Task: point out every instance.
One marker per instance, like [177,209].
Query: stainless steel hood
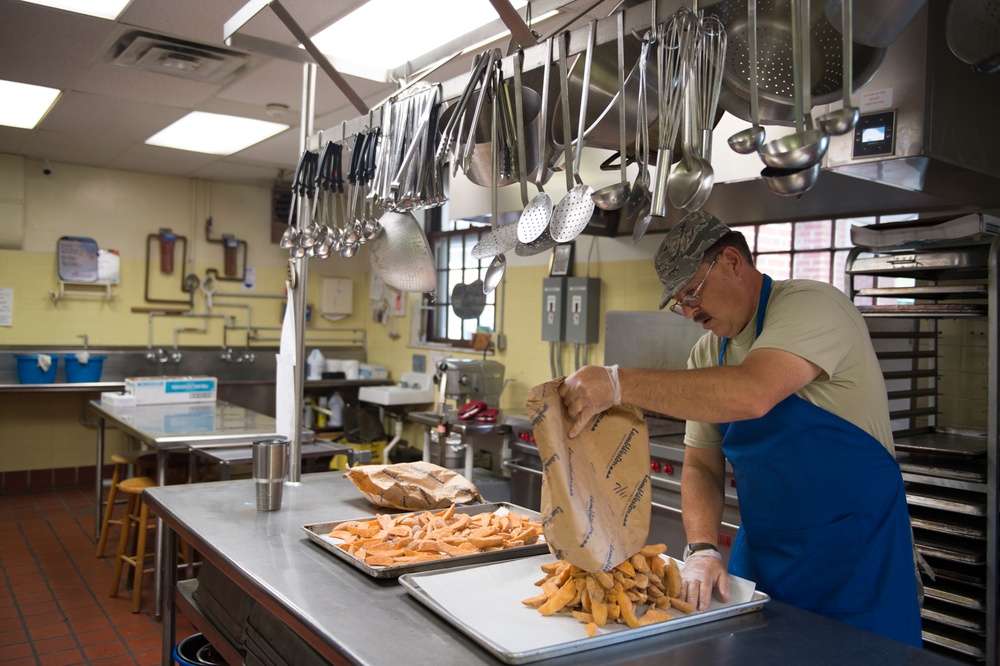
[943,153]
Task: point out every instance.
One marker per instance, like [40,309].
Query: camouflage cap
[683,249]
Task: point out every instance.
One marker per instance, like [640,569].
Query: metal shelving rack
[951,474]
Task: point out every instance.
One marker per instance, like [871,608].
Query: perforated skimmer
[574,210]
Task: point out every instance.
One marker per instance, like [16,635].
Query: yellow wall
[121,209]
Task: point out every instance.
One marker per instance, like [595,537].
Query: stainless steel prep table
[352,618]
[175,427]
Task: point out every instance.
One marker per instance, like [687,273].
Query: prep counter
[351,618]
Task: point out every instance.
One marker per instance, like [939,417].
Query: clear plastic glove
[589,391]
[703,571]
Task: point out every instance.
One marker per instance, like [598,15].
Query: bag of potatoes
[416,486]
[596,487]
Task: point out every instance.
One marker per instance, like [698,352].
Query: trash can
[195,650]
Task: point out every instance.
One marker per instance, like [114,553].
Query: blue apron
[825,524]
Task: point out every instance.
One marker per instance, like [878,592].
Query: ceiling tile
[142,86]
[86,149]
[124,120]
[48,47]
[154,159]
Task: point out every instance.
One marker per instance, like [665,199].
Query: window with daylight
[459,277]
[814,250]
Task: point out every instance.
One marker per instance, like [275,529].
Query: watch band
[696,546]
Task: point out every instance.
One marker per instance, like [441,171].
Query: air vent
[189,60]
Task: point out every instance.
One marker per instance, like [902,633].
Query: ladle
[640,199]
[614,196]
[494,274]
[843,120]
[807,146]
[812,144]
[535,217]
[692,173]
[751,139]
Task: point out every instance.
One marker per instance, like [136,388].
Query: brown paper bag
[416,486]
[596,487]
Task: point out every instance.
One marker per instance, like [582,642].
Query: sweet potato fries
[389,540]
[613,596]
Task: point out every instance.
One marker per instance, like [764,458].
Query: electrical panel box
[583,309]
[553,303]
[338,298]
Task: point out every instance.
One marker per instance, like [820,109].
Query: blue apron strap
[765,293]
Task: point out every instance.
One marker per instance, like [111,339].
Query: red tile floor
[54,603]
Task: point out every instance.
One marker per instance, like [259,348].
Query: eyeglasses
[692,298]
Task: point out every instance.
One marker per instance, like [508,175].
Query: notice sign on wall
[6,306]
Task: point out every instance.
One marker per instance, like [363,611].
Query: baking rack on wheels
[932,312]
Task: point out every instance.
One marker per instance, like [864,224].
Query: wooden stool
[144,463]
[137,516]
[121,462]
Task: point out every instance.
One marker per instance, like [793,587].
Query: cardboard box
[165,390]
[366,371]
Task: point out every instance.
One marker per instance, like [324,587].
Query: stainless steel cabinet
[932,313]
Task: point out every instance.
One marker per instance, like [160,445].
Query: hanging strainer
[401,255]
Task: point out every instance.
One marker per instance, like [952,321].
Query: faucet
[84,340]
[158,356]
[230,355]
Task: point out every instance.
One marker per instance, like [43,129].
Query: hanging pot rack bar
[637,20]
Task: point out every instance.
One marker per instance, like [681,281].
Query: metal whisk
[709,64]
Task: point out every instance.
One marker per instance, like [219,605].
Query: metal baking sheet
[956,593]
[959,469]
[484,602]
[318,534]
[943,444]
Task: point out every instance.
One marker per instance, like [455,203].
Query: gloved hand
[589,391]
[703,570]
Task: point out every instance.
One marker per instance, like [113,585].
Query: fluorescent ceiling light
[24,105]
[106,9]
[214,133]
[385,34]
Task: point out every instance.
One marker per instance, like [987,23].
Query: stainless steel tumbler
[269,469]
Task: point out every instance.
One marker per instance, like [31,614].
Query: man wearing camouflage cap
[787,388]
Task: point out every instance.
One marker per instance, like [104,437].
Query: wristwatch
[696,546]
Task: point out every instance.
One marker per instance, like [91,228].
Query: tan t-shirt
[817,322]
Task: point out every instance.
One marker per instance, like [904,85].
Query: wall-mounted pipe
[185,286]
[231,247]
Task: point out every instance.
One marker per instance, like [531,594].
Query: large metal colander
[774,59]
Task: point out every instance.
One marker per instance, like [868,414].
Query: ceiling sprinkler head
[276,110]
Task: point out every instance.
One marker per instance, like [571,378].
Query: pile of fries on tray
[394,540]
[597,599]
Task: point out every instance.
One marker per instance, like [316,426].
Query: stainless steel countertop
[192,424]
[375,621]
[63,387]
